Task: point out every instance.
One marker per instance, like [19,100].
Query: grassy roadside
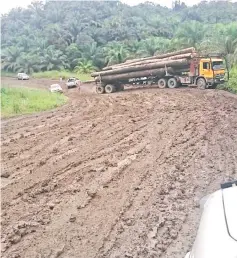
[54,75]
[7,74]
[18,101]
[61,74]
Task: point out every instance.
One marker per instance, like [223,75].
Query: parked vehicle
[72,83]
[23,76]
[55,88]
[217,233]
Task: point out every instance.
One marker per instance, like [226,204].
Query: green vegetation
[16,101]
[61,74]
[83,36]
[231,85]
[7,74]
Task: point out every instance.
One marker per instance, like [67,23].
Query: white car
[55,88]
[217,233]
[72,82]
[23,76]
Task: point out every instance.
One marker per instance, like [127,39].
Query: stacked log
[123,65]
[145,73]
[190,50]
[157,65]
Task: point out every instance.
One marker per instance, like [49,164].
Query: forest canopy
[86,36]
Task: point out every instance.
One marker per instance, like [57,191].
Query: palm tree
[53,59]
[115,54]
[39,46]
[231,51]
[84,66]
[55,12]
[230,45]
[133,48]
[94,53]
[159,26]
[75,27]
[24,42]
[29,63]
[36,7]
[10,58]
[154,45]
[73,54]
[231,30]
[176,43]
[57,36]
[191,33]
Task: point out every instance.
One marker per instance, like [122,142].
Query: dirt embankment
[115,175]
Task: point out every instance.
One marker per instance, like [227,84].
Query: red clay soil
[115,175]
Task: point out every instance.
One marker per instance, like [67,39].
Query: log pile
[158,65]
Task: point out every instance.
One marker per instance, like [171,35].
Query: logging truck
[184,67]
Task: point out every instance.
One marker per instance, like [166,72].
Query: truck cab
[212,70]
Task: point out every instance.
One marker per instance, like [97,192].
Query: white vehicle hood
[217,229]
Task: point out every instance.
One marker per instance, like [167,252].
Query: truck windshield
[218,65]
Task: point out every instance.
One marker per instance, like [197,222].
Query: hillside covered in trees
[86,36]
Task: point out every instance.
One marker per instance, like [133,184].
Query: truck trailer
[185,67]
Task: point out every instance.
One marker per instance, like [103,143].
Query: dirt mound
[115,175]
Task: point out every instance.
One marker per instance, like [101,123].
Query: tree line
[86,36]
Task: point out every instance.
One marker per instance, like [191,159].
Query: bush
[231,85]
[15,101]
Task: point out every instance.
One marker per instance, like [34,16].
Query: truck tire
[119,87]
[109,88]
[162,83]
[172,83]
[100,89]
[201,84]
[214,86]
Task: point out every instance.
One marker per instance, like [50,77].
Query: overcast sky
[6,5]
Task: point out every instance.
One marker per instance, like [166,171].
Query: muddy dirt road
[115,175]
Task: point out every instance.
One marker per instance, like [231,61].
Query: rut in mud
[115,175]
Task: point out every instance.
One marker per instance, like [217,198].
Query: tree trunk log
[124,65]
[171,63]
[180,52]
[137,74]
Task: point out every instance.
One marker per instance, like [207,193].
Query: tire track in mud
[34,186]
[162,244]
[155,187]
[115,176]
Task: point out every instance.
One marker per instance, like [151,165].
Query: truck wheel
[109,88]
[213,86]
[162,83]
[201,83]
[120,87]
[100,89]
[172,83]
